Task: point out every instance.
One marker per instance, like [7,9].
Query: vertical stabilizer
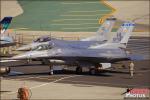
[5,23]
[103,31]
[120,39]
[123,33]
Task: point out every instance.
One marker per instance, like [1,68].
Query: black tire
[8,69]
[51,73]
[78,70]
[92,71]
[43,63]
[123,66]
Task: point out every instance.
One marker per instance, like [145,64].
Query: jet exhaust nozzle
[4,70]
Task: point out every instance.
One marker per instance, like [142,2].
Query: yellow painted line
[107,15]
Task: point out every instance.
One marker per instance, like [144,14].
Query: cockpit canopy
[43,47]
[43,39]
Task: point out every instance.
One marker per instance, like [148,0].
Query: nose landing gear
[78,70]
[51,72]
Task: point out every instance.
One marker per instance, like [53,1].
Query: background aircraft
[91,58]
[4,39]
[100,37]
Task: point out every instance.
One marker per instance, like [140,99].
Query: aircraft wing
[75,55]
[7,44]
[137,57]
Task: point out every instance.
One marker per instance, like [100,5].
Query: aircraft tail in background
[4,23]
[123,33]
[103,31]
[120,39]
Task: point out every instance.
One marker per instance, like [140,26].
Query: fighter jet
[122,32]
[4,39]
[100,37]
[81,57]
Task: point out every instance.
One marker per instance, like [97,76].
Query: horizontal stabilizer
[135,57]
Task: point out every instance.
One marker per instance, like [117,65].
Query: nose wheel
[78,70]
[51,71]
[92,71]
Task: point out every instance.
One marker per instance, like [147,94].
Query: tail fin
[120,39]
[102,32]
[123,33]
[106,27]
[5,23]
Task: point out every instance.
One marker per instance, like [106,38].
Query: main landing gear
[92,71]
[95,70]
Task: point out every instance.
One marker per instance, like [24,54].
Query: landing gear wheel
[51,73]
[51,70]
[78,70]
[92,71]
[44,62]
[123,66]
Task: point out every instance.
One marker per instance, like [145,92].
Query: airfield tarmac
[67,85]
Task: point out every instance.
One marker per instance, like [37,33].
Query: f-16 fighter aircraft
[81,57]
[100,37]
[4,39]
